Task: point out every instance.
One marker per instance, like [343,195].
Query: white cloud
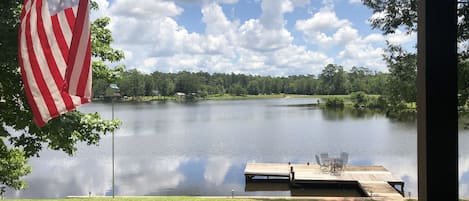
[216,170]
[324,20]
[326,30]
[216,21]
[154,38]
[345,34]
[399,37]
[332,34]
[102,11]
[207,1]
[299,60]
[272,13]
[362,54]
[300,3]
[257,37]
[267,33]
[145,9]
[354,1]
[374,38]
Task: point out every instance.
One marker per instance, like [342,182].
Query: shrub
[359,99]
[335,102]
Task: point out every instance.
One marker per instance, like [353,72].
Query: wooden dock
[374,181]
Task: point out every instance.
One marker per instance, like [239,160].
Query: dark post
[437,100]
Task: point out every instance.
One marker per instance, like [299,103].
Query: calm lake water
[202,148]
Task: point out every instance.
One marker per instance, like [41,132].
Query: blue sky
[259,37]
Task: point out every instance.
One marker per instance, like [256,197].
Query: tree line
[333,80]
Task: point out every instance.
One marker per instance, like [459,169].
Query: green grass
[266,96]
[170,198]
[157,198]
[231,97]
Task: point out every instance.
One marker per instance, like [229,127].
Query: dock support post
[292,174]
[402,189]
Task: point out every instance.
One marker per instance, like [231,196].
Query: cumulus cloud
[268,33]
[354,1]
[142,9]
[400,37]
[156,41]
[208,1]
[258,37]
[153,38]
[325,30]
[324,20]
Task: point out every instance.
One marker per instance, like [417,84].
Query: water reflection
[144,176]
[338,114]
[202,148]
[216,169]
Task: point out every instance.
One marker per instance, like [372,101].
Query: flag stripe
[52,58]
[25,9]
[65,28]
[83,78]
[79,42]
[36,72]
[70,18]
[47,50]
[46,45]
[80,70]
[23,54]
[44,69]
[59,37]
[31,100]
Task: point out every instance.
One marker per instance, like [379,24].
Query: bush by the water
[359,99]
[335,102]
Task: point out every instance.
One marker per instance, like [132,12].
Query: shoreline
[224,97]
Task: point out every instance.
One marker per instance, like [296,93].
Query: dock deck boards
[374,180]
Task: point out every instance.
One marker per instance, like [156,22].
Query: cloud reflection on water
[202,149]
[60,177]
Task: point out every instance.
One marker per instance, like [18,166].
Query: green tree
[335,102]
[359,99]
[99,87]
[402,82]
[253,87]
[164,84]
[238,90]
[358,78]
[20,138]
[463,84]
[132,83]
[187,82]
[333,80]
[395,14]
[377,83]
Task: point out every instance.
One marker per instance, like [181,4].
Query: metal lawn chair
[344,159]
[323,166]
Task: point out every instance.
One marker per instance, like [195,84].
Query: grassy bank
[191,198]
[267,96]
[162,198]
[231,97]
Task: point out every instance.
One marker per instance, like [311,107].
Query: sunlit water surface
[202,148]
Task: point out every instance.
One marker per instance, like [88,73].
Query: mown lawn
[158,198]
[179,198]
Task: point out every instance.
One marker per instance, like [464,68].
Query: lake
[202,148]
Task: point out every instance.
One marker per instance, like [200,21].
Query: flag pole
[113,93]
[112,101]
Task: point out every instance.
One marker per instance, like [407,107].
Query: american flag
[55,56]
